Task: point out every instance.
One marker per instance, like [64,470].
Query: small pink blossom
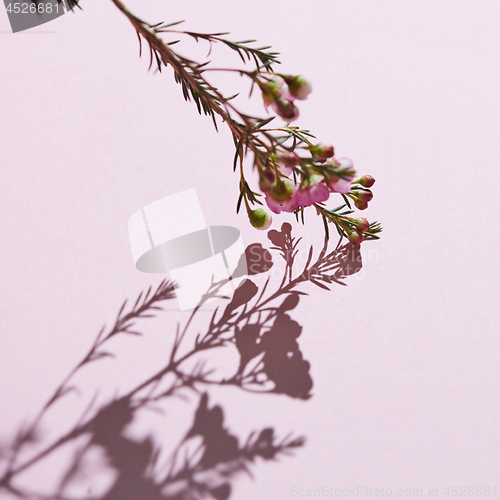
[289,205]
[315,191]
[319,193]
[273,205]
[342,185]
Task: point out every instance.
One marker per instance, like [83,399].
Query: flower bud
[361,205]
[367,181]
[365,195]
[298,86]
[362,224]
[264,184]
[282,190]
[339,174]
[271,90]
[259,218]
[266,180]
[355,237]
[286,109]
[289,159]
[322,152]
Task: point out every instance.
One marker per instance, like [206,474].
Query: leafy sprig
[252,136]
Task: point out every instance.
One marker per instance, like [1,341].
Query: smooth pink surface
[405,359]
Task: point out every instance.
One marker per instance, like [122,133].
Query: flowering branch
[294,171]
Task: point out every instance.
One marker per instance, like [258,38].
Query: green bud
[355,237]
[259,218]
[266,180]
[299,86]
[362,224]
[367,181]
[282,190]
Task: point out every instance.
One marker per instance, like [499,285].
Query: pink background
[404,359]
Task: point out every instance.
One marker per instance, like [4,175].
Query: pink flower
[342,184]
[273,205]
[289,205]
[281,196]
[314,191]
[282,190]
[318,193]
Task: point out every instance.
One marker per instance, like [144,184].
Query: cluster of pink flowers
[280,92]
[290,182]
[283,195]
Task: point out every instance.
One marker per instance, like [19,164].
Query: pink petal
[341,186]
[304,197]
[273,205]
[285,92]
[285,170]
[318,193]
[345,162]
[291,204]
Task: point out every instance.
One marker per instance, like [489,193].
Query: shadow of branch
[256,326]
